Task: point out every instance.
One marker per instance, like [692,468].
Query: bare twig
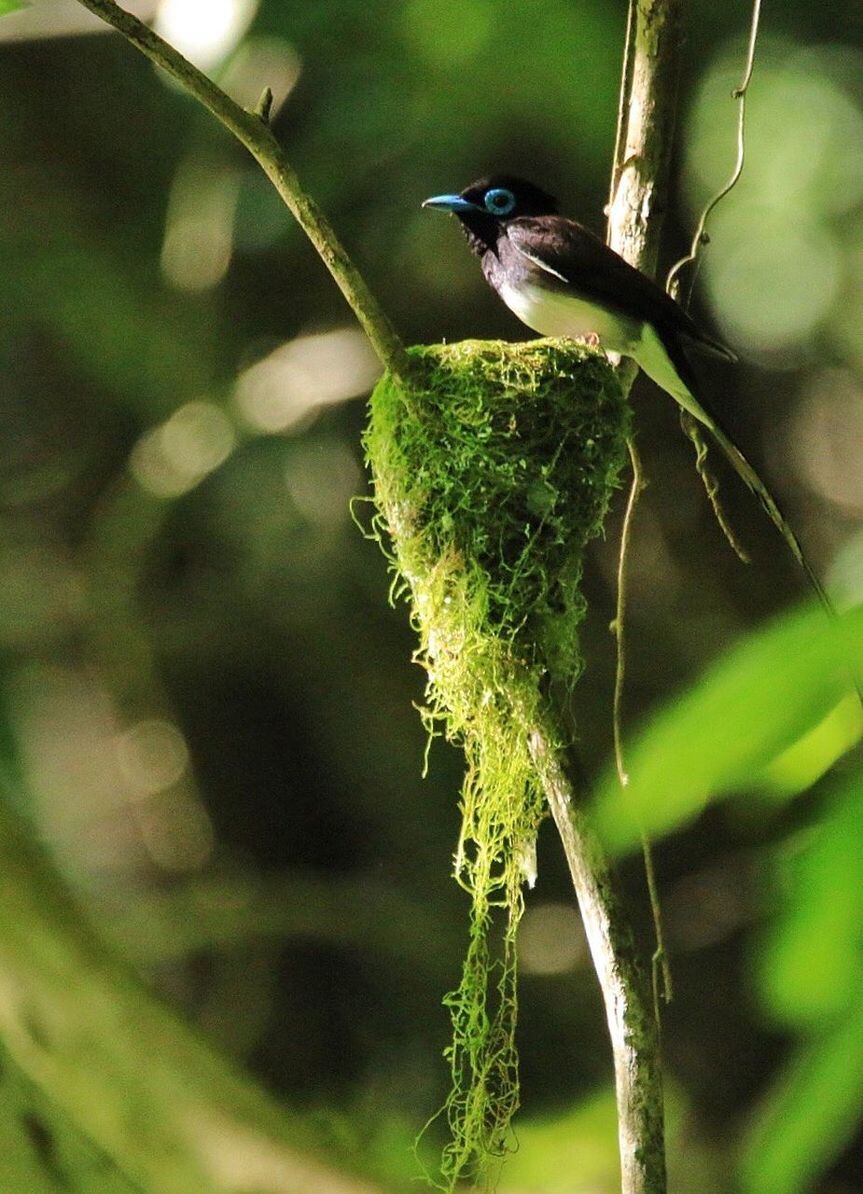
[674,285]
[619,623]
[739,94]
[252,131]
[661,971]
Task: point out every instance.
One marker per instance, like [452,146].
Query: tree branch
[252,131]
[648,116]
[625,986]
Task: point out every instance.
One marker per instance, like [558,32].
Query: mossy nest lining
[490,476]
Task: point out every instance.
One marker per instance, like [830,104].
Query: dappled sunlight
[826,438]
[204,31]
[551,939]
[775,268]
[304,375]
[173,458]
[199,224]
[107,796]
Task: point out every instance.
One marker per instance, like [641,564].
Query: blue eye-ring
[499,201]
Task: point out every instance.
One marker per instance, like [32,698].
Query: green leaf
[811,979]
[811,967]
[805,761]
[749,708]
[812,1112]
[7,6]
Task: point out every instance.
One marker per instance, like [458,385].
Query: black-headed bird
[562,280]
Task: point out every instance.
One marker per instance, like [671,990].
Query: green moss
[490,477]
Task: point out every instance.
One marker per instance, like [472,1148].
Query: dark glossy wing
[572,254]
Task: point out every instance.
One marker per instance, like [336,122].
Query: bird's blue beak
[453,203]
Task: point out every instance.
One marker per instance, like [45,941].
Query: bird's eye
[499,201]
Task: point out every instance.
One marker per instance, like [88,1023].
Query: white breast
[554,313]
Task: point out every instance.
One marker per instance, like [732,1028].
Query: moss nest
[490,476]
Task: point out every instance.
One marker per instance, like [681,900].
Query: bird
[562,280]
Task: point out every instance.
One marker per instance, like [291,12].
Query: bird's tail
[662,357]
[714,347]
[748,474]
[768,503]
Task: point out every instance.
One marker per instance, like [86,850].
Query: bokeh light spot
[173,458]
[827,437]
[152,755]
[205,31]
[551,940]
[303,375]
[196,251]
[773,281]
[321,482]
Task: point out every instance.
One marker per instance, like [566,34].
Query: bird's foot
[591,339]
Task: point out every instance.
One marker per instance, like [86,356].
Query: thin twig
[252,131]
[660,969]
[619,624]
[674,285]
[661,982]
[739,95]
[692,429]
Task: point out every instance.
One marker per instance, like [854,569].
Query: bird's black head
[487,204]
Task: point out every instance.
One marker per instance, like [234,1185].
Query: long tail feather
[751,478]
[748,474]
[662,357]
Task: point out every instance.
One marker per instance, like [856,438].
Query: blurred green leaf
[810,977]
[812,967]
[7,6]
[812,1113]
[806,760]
[42,1150]
[750,706]
[551,1150]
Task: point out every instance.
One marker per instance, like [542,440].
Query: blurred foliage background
[207,702]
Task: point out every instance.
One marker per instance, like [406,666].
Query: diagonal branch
[252,131]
